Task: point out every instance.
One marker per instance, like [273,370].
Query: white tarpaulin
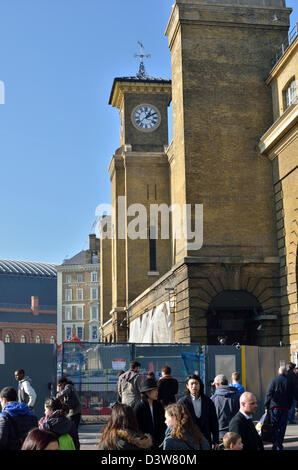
[155,326]
[135,331]
[2,353]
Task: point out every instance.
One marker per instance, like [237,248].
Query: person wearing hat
[150,413]
[226,401]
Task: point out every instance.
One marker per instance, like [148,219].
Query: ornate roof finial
[142,72]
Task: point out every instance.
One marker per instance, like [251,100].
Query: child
[232,441]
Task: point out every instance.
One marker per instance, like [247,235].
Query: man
[26,393]
[16,420]
[243,425]
[167,387]
[129,385]
[278,400]
[236,383]
[68,394]
[226,401]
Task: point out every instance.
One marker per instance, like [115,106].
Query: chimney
[35,305]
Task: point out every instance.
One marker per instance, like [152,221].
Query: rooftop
[29,268]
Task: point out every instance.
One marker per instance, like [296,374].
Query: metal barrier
[94,368]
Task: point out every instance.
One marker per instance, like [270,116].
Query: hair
[230,438]
[20,371]
[236,376]
[292,365]
[134,364]
[122,417]
[194,377]
[38,439]
[183,423]
[54,404]
[166,370]
[151,375]
[9,393]
[63,380]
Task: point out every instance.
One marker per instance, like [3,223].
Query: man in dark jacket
[68,394]
[278,400]
[243,425]
[167,387]
[16,420]
[226,401]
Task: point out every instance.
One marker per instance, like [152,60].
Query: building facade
[225,285]
[78,300]
[28,302]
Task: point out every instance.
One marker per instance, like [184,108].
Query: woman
[201,409]
[55,420]
[38,439]
[150,413]
[122,432]
[182,433]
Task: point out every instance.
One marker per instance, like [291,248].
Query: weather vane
[142,72]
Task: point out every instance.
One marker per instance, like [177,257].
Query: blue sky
[58,59]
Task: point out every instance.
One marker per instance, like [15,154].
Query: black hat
[148,384]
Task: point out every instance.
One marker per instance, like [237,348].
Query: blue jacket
[226,401]
[15,427]
[239,388]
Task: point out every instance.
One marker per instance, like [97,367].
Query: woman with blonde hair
[182,433]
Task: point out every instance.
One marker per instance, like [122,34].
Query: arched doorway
[231,316]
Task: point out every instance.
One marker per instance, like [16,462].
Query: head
[235,377]
[292,366]
[166,370]
[62,382]
[296,370]
[177,416]
[122,417]
[135,365]
[149,390]
[54,404]
[151,375]
[194,386]
[232,441]
[282,370]
[220,380]
[120,373]
[19,374]
[8,394]
[38,439]
[248,403]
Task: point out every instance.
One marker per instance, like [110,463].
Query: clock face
[146,117]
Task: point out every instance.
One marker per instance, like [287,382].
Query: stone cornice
[78,267]
[278,129]
[120,88]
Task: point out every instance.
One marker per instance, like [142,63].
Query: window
[290,93]
[80,331]
[93,293]
[152,249]
[80,278]
[79,313]
[79,294]
[94,277]
[7,338]
[68,294]
[52,340]
[68,278]
[68,332]
[68,313]
[23,339]
[38,339]
[94,333]
[94,312]
[94,259]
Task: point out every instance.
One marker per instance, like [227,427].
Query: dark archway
[231,315]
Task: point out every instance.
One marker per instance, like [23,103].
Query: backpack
[264,428]
[66,442]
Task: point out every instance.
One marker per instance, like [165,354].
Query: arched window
[23,339]
[7,338]
[38,339]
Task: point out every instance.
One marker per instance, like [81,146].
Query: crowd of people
[148,416]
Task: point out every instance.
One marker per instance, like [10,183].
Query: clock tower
[139,173]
